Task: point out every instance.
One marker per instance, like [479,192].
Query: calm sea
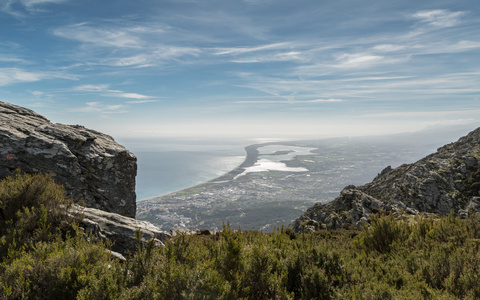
[169,165]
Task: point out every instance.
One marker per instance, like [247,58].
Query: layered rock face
[446,180]
[92,167]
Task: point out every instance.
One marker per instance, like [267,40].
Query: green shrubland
[43,255]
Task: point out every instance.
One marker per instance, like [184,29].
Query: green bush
[32,208]
[382,233]
[45,256]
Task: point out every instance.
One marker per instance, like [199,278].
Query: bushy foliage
[382,233]
[411,258]
[32,208]
[43,255]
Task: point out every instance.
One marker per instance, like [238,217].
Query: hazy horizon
[243,69]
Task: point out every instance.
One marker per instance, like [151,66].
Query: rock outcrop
[437,184]
[91,166]
[120,230]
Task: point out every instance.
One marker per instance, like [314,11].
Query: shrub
[382,233]
[32,208]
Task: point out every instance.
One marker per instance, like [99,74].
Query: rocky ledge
[120,230]
[91,166]
[448,180]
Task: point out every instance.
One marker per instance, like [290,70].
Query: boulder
[91,166]
[123,232]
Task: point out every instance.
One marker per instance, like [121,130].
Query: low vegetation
[43,255]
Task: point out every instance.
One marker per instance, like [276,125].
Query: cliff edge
[90,165]
[439,183]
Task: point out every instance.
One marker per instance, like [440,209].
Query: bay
[169,165]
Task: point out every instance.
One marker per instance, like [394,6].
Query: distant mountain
[439,183]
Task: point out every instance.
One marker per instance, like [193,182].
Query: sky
[243,69]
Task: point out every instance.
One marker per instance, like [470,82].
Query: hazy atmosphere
[243,69]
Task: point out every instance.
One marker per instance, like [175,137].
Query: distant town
[303,173]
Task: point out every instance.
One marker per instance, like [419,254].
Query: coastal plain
[278,181]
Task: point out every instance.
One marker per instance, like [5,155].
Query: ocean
[170,165]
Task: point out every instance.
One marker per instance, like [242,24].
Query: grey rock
[437,184]
[118,229]
[91,166]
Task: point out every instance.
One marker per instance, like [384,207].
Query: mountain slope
[448,179]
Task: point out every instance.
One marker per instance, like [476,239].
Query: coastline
[251,156]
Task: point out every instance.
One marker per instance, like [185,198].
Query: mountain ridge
[438,183]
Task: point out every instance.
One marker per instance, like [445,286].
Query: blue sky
[247,69]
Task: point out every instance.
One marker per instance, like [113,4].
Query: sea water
[169,165]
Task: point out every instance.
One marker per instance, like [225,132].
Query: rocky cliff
[92,167]
[439,183]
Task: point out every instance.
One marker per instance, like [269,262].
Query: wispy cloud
[389,47]
[19,8]
[105,91]
[120,94]
[16,75]
[149,58]
[11,58]
[243,50]
[98,107]
[141,101]
[136,46]
[439,18]
[287,102]
[110,37]
[358,60]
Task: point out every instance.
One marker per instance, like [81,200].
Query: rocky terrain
[91,166]
[118,229]
[95,171]
[437,184]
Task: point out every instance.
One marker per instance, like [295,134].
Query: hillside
[446,180]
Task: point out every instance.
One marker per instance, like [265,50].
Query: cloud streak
[21,8]
[10,76]
[439,18]
[105,91]
[98,107]
[291,102]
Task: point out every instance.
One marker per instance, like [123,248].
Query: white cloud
[130,46]
[141,101]
[91,88]
[30,6]
[109,37]
[98,107]
[288,56]
[32,3]
[357,60]
[149,58]
[120,94]
[389,48]
[287,101]
[243,50]
[11,58]
[105,91]
[461,46]
[16,75]
[325,100]
[439,18]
